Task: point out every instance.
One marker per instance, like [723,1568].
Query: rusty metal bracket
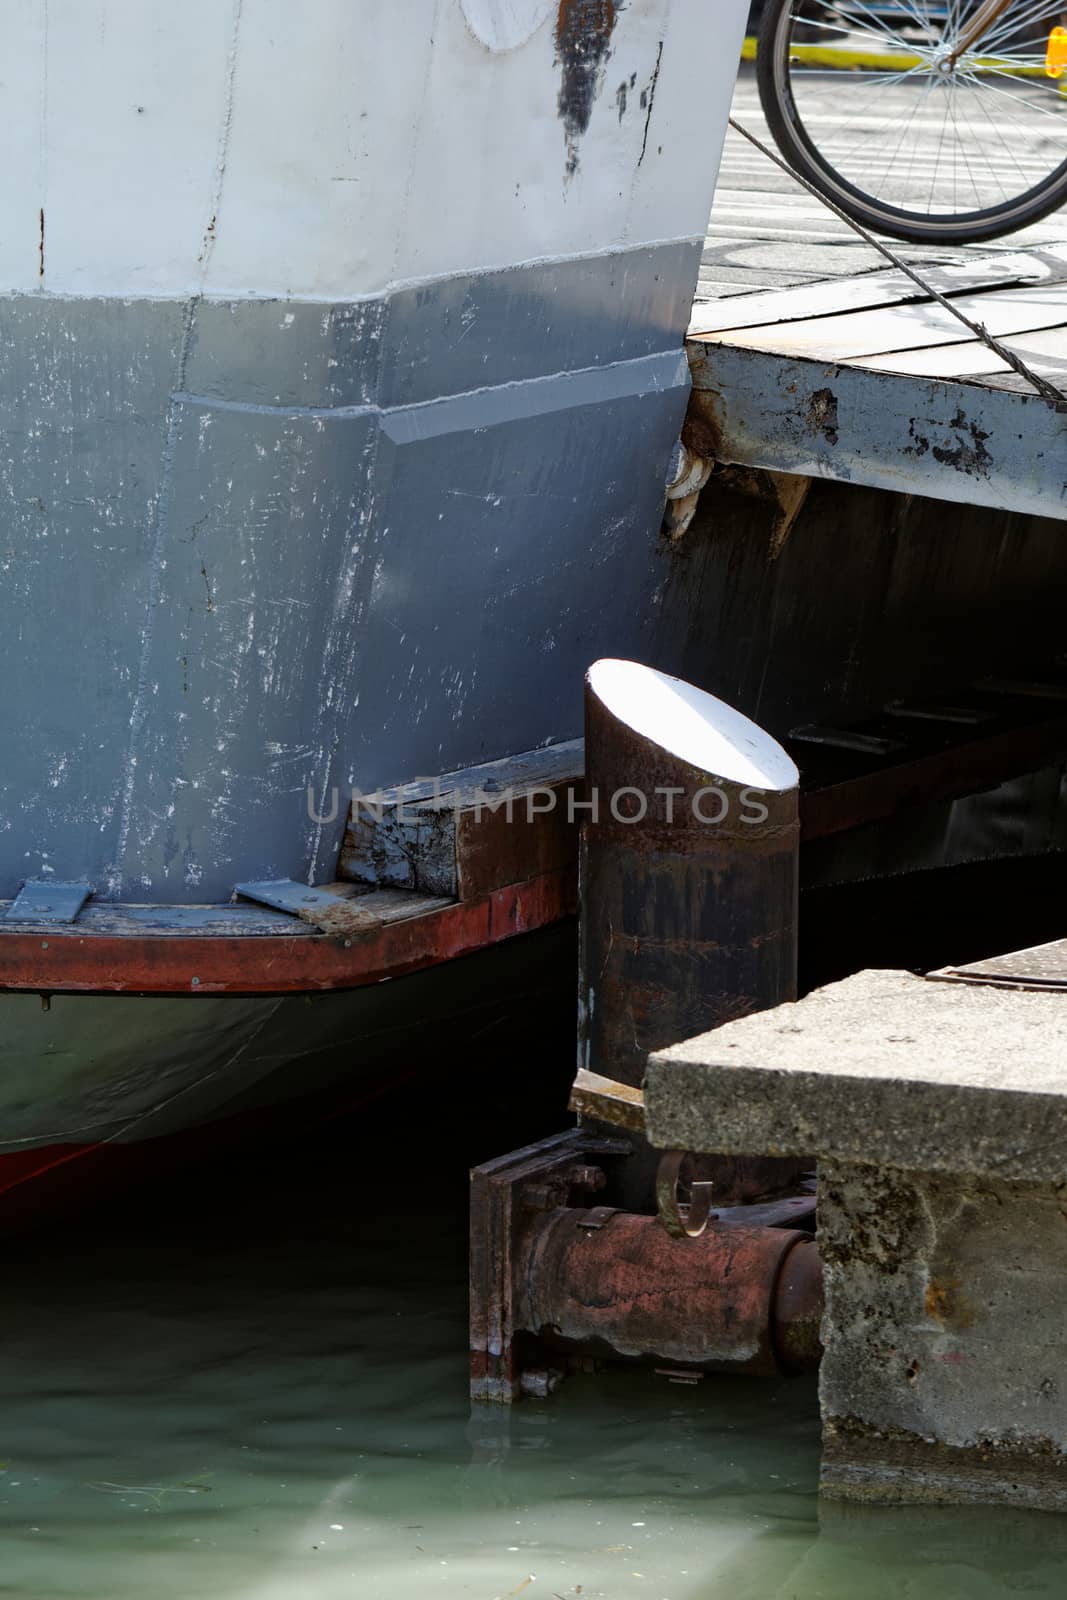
[509,1196]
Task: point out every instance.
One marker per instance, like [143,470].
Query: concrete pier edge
[936,1113]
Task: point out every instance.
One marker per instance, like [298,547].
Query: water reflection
[251,1392]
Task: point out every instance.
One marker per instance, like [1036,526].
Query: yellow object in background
[1056,54]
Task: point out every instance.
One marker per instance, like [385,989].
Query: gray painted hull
[259,548]
[256,548]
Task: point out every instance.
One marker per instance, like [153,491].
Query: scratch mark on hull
[160,528]
[648,100]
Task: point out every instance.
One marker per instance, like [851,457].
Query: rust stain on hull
[583,44]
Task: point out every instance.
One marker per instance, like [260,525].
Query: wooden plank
[617,1103]
[1045,350]
[342,907]
[243,920]
[330,908]
[398,905]
[880,288]
[551,762]
[468,833]
[540,835]
[906,327]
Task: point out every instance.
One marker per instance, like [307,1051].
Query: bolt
[540,1196]
[587,1177]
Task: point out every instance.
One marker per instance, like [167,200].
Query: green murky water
[245,1389]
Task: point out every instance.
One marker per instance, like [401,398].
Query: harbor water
[247,1380]
[248,1387]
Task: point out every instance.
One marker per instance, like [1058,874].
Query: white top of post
[694,726]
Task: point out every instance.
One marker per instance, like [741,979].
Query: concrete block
[942,1376]
[884,1067]
[938,1113]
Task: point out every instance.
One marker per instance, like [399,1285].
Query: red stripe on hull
[67,961]
[46,1183]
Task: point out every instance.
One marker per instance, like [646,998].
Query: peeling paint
[920,444]
[969,453]
[822,414]
[583,45]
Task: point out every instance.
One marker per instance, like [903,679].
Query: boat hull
[343,362]
[96,1091]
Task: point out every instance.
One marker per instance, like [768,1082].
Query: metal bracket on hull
[46,900]
[333,909]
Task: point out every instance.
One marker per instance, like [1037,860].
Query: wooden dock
[865,380]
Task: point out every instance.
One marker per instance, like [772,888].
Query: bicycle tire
[803,154]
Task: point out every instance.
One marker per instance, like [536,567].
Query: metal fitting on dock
[558,1281]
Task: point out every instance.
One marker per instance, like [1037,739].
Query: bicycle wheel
[873,103]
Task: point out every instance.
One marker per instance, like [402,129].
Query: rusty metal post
[688,868]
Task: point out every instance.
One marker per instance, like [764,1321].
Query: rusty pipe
[616,1284]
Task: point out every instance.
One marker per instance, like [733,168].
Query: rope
[1047,391]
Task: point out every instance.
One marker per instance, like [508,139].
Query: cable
[1047,391]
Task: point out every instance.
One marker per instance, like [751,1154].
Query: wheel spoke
[926,138]
[1009,149]
[865,10]
[997,88]
[1013,21]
